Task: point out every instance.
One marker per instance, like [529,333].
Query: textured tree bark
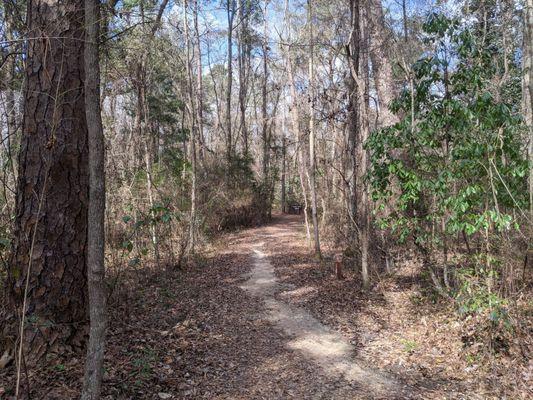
[10,105]
[48,262]
[96,236]
[358,61]
[352,122]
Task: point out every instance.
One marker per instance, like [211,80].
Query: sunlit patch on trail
[299,292]
[325,347]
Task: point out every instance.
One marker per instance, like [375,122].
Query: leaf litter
[201,333]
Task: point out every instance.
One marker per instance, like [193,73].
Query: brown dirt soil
[202,333]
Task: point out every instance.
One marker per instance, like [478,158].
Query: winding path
[315,341]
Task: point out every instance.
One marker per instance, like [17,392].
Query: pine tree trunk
[50,234]
[10,105]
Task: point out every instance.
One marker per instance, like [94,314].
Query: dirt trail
[323,346]
[241,338]
[267,321]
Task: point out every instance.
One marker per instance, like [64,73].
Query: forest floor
[259,318]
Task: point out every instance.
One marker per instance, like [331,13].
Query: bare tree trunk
[200,85]
[149,190]
[312,156]
[527,95]
[295,116]
[364,217]
[230,11]
[351,181]
[47,276]
[192,134]
[302,163]
[381,65]
[283,164]
[141,122]
[264,115]
[358,60]
[527,88]
[243,53]
[404,15]
[96,213]
[383,80]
